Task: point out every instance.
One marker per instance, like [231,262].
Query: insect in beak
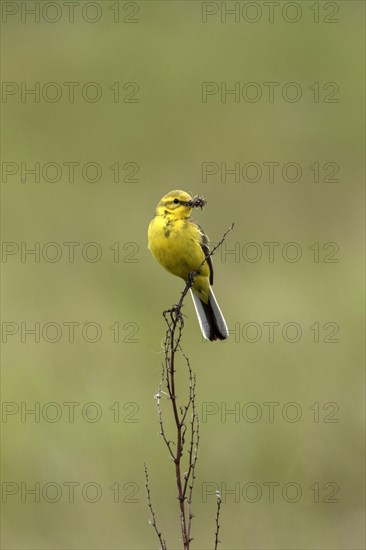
[195,202]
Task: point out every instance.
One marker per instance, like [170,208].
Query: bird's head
[178,204]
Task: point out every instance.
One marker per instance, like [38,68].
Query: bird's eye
[176,201]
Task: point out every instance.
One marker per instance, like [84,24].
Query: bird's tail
[210,318]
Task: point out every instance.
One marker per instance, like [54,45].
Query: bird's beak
[195,202]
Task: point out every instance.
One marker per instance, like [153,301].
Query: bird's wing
[206,250]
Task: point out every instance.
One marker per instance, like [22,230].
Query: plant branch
[184,428]
[153,520]
[219,501]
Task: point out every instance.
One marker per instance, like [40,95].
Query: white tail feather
[204,322]
[201,315]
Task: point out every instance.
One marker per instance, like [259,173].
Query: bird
[180,245]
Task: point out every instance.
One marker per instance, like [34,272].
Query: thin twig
[219,500]
[162,431]
[193,449]
[153,520]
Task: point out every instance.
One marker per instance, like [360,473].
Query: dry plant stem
[217,541]
[184,481]
[193,447]
[153,520]
[177,459]
[175,323]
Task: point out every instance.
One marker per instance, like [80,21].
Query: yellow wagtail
[180,245]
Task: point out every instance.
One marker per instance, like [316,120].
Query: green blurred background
[168,133]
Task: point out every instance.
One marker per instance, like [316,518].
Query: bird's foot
[191,277]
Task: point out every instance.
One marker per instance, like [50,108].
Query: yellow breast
[175,243]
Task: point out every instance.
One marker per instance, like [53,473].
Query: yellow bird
[180,245]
